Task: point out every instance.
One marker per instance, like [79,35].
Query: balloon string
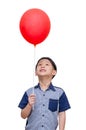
[34,71]
[34,68]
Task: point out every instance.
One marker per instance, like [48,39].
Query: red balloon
[35,26]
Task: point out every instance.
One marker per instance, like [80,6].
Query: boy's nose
[42,66]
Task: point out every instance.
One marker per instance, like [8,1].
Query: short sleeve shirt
[46,108]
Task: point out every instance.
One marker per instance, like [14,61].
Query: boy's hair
[51,61]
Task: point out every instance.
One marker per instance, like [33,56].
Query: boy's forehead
[44,60]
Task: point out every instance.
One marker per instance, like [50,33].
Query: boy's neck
[44,83]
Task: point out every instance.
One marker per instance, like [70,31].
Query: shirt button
[42,125]
[43,115]
[43,104]
[43,94]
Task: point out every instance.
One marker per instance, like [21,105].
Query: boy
[49,101]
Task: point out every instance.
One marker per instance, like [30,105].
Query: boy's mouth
[42,70]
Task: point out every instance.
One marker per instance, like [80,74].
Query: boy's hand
[32,99]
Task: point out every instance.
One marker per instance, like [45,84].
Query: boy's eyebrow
[43,61]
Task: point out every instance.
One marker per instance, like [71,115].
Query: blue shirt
[48,104]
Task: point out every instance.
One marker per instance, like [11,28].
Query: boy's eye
[39,64]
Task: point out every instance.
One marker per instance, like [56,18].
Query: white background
[65,44]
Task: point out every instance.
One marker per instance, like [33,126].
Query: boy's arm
[62,119]
[25,112]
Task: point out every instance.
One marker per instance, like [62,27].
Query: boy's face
[45,68]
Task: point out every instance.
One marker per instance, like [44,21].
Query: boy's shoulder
[59,90]
[29,90]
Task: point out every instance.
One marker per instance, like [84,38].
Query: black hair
[51,61]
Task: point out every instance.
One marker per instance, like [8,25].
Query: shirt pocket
[53,105]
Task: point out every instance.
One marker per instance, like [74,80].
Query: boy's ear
[35,73]
[54,72]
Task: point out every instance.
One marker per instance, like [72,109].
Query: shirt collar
[50,87]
